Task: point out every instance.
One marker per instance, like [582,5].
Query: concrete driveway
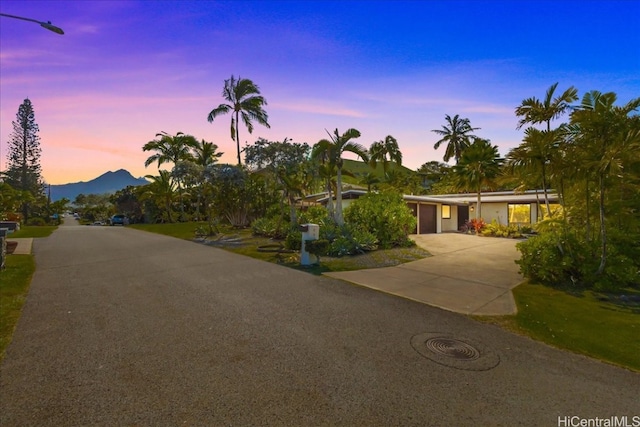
[466,274]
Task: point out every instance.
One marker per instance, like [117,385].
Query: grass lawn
[14,286]
[33,231]
[602,326]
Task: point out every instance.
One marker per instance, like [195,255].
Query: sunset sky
[126,70]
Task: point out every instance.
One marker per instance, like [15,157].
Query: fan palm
[244,102]
[332,150]
[457,135]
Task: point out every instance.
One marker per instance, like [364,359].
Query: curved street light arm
[46,25]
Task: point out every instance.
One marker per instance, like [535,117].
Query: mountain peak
[107,183]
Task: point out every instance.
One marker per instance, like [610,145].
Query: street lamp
[46,25]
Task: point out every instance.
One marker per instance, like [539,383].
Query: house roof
[488,197]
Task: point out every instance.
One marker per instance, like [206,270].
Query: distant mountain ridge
[107,183]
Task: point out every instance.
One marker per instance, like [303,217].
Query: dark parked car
[119,220]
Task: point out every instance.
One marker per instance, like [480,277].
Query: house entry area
[426,216]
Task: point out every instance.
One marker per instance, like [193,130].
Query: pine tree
[23,158]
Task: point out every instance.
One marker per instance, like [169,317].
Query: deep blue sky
[126,70]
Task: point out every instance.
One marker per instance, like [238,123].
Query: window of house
[446,211]
[519,214]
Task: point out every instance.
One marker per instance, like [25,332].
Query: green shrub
[37,221]
[499,230]
[274,227]
[563,260]
[384,215]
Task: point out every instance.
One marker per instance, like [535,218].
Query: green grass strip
[33,231]
[14,286]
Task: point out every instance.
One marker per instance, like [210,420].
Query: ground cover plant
[600,325]
[14,287]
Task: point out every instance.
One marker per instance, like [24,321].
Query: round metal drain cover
[459,353]
[452,348]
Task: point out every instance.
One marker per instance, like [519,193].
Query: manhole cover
[459,353]
[452,348]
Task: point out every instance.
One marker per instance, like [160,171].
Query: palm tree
[162,191]
[534,111]
[379,151]
[604,136]
[332,150]
[204,154]
[478,167]
[243,101]
[457,135]
[369,179]
[536,153]
[171,149]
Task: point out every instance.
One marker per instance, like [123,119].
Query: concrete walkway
[466,274]
[24,245]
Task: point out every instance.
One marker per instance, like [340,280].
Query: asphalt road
[127,328]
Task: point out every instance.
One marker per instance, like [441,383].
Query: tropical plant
[171,149]
[478,168]
[536,154]
[332,150]
[385,151]
[244,102]
[534,111]
[457,134]
[285,162]
[546,145]
[385,215]
[162,191]
[605,136]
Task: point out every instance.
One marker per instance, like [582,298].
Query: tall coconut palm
[385,151]
[171,149]
[244,102]
[332,150]
[478,167]
[457,134]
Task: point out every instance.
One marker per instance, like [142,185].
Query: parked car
[119,220]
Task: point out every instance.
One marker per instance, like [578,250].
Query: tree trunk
[338,217]
[603,231]
[238,136]
[478,204]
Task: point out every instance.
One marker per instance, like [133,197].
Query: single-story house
[449,212]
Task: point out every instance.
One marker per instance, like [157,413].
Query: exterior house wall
[491,211]
[449,224]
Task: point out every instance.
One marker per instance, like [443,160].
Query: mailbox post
[309,232]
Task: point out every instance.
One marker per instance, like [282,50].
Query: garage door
[428,218]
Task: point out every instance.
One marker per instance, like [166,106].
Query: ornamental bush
[562,260]
[385,215]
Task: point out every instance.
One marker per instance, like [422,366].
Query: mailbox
[309,232]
